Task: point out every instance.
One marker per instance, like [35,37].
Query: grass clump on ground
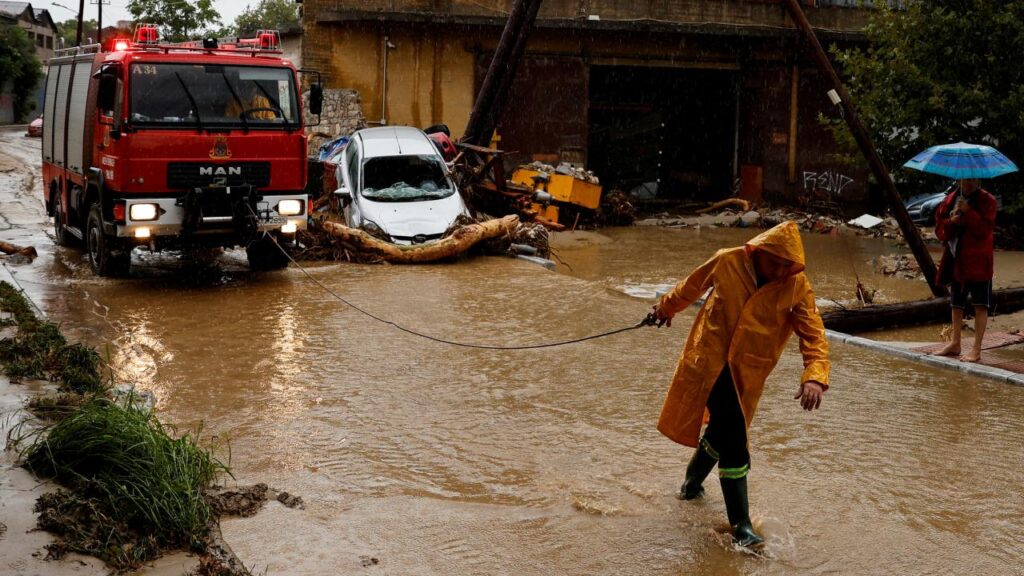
[39,350]
[137,490]
[134,488]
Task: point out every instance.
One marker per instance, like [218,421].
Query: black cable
[646,322]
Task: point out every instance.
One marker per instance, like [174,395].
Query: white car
[395,185]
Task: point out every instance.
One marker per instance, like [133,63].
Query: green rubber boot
[697,470]
[734,490]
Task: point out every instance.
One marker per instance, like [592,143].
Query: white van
[395,185]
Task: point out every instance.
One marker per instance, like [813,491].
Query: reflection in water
[439,460]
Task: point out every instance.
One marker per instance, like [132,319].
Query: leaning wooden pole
[493,115]
[867,147]
[495,72]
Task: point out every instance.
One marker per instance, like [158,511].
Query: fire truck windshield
[207,95]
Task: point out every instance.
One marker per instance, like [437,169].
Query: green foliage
[268,14]
[138,490]
[68,30]
[940,72]
[178,19]
[39,350]
[19,66]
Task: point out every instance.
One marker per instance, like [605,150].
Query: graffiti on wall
[827,181]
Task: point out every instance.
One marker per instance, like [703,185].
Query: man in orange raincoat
[758,297]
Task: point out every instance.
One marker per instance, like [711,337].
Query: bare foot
[972,356]
[951,349]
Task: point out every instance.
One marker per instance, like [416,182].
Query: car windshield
[405,179]
[206,95]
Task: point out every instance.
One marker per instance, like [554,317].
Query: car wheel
[107,256]
[265,254]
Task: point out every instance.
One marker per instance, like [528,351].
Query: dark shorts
[980,293]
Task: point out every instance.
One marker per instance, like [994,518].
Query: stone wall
[342,115]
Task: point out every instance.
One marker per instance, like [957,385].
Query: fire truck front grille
[187,175]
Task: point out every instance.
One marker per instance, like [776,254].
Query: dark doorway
[673,127]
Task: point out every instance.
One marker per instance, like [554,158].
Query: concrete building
[688,98]
[41,30]
[37,23]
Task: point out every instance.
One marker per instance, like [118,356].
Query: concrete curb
[6,275]
[969,368]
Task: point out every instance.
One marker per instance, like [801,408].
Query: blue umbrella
[961,161]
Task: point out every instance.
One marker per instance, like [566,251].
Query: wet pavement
[415,457]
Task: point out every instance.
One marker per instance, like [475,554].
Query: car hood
[426,217]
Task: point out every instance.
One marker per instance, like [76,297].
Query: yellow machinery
[562,188]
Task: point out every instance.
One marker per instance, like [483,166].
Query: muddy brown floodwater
[414,457]
[439,460]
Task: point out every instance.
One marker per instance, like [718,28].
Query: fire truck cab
[198,144]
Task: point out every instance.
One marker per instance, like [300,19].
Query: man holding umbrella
[964,222]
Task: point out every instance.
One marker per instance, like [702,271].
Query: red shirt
[974,258]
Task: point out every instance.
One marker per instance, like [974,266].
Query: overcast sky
[116,10]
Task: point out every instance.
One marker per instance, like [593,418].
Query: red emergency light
[268,39]
[120,45]
[147,34]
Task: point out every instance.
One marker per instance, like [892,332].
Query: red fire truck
[177,146]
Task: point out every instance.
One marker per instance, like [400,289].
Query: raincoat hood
[782,241]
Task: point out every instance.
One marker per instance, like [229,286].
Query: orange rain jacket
[743,325]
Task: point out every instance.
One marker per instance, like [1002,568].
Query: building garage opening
[664,132]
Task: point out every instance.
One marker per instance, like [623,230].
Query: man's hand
[661,318]
[810,395]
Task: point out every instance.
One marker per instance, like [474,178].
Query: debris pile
[530,234]
[898,265]
[616,209]
[564,169]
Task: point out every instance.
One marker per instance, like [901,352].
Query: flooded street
[432,459]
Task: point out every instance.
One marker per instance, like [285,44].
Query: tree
[178,19]
[940,71]
[68,30]
[20,70]
[272,14]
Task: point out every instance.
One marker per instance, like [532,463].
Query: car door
[351,172]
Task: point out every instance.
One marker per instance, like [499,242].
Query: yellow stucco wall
[429,81]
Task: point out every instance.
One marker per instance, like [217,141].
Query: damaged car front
[396,186]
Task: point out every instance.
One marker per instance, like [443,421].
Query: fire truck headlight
[289,228]
[143,212]
[142,232]
[289,207]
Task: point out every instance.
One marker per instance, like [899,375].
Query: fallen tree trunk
[9,248]
[934,311]
[460,241]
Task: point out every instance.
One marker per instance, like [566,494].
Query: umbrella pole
[867,147]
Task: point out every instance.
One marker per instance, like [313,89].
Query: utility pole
[81,15]
[501,71]
[867,147]
[99,18]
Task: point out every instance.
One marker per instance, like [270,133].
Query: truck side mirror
[316,99]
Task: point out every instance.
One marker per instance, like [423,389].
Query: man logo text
[220,171]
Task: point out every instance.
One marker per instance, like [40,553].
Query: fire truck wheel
[60,234]
[107,257]
[264,254]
